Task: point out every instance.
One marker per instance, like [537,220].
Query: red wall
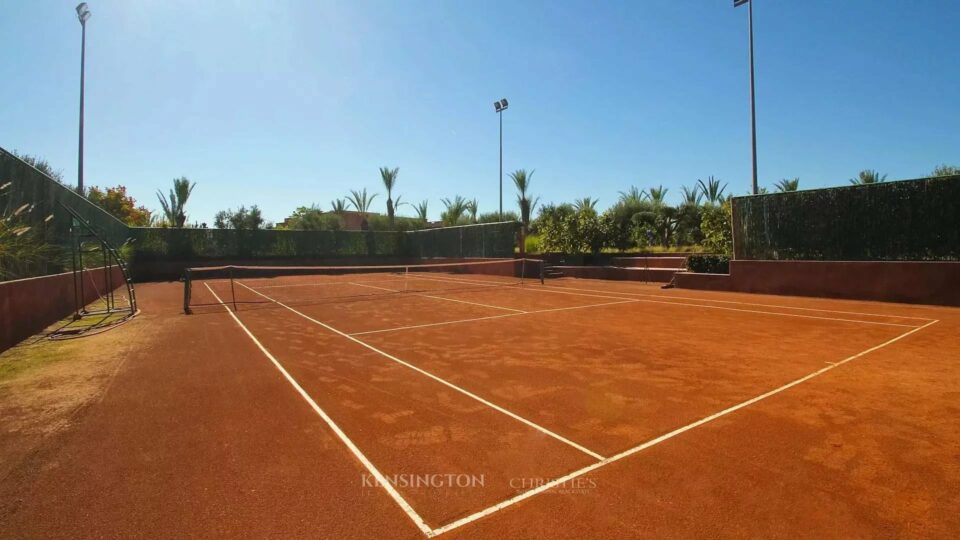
[27,306]
[910,282]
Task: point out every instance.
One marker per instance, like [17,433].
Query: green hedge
[709,264]
[911,220]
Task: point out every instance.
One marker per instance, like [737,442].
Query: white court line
[458,321]
[862,314]
[382,480]
[455,280]
[562,290]
[442,298]
[327,284]
[653,442]
[463,391]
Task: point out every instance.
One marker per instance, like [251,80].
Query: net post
[186,290]
[542,265]
[406,278]
[233,294]
[523,270]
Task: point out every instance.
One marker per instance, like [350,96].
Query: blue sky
[284,104]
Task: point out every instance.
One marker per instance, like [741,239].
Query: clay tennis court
[398,404]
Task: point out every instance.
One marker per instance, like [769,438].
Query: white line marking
[442,298]
[748,303]
[458,321]
[327,284]
[553,483]
[463,391]
[454,280]
[404,505]
[776,313]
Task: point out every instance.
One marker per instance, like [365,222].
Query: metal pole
[500,114]
[753,105]
[83,51]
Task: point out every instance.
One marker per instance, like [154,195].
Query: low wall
[657,275]
[27,306]
[917,282]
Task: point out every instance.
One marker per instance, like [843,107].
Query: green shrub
[717,227]
[709,264]
[532,244]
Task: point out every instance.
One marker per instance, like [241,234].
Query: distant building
[353,221]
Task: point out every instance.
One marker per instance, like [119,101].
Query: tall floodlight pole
[499,107]
[753,104]
[83,13]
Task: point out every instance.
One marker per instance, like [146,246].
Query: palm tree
[712,190]
[521,179]
[173,208]
[633,195]
[691,197]
[585,203]
[338,206]
[658,195]
[788,185]
[868,176]
[421,210]
[389,177]
[472,207]
[360,201]
[454,210]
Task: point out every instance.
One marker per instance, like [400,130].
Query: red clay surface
[506,389]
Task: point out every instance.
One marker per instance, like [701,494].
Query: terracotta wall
[657,275]
[910,282]
[27,306]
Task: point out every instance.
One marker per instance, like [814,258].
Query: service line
[442,381]
[381,479]
[666,436]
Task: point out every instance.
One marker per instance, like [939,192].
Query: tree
[241,220]
[868,176]
[338,206]
[41,165]
[788,184]
[173,209]
[945,170]
[712,190]
[522,181]
[658,195]
[472,207]
[717,226]
[389,177]
[421,210]
[633,195]
[454,210]
[120,205]
[312,218]
[361,202]
[691,196]
[586,203]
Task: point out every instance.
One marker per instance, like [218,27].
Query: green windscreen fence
[160,244]
[30,204]
[482,240]
[910,220]
[31,201]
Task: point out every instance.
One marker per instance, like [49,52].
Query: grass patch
[29,356]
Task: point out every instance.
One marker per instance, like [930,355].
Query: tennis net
[235,286]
